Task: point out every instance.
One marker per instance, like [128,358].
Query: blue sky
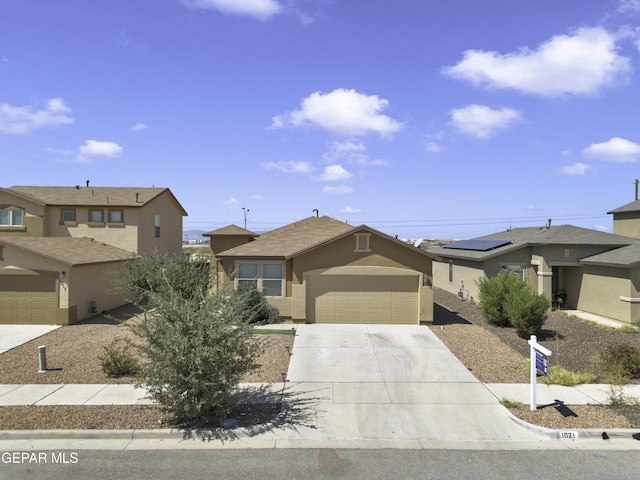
[435,119]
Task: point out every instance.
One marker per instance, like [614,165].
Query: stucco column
[545,275]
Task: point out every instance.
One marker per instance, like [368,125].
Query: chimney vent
[549,223]
[137,195]
[87,183]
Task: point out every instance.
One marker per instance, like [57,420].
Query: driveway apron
[389,382]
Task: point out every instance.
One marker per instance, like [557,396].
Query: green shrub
[196,352]
[525,310]
[117,359]
[619,363]
[492,293]
[254,307]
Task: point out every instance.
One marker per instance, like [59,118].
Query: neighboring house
[59,244]
[588,270]
[323,270]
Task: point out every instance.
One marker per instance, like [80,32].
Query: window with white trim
[267,277]
[156,226]
[11,217]
[362,242]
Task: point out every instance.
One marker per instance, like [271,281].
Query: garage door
[28,299]
[362,299]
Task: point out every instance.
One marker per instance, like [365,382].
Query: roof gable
[629,207]
[300,237]
[285,241]
[231,230]
[93,196]
[68,250]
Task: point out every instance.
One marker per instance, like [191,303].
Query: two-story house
[59,246]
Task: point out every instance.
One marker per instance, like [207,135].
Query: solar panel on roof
[477,245]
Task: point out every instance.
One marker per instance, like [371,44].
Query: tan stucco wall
[384,253]
[137,231]
[601,289]
[464,272]
[32,219]
[170,225]
[121,236]
[627,224]
[93,282]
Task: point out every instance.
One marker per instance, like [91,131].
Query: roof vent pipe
[137,195]
[637,181]
[317,213]
[549,223]
[87,183]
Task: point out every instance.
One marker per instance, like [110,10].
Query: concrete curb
[146,434]
[626,433]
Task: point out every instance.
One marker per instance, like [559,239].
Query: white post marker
[539,360]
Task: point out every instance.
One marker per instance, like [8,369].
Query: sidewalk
[336,392]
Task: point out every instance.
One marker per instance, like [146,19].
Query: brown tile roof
[92,196]
[286,241]
[69,250]
[231,230]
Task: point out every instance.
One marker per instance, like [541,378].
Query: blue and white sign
[542,363]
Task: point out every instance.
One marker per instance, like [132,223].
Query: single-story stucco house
[584,269]
[322,270]
[59,246]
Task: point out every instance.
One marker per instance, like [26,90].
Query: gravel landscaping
[493,355]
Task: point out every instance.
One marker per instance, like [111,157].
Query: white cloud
[262,9]
[577,169]
[95,148]
[481,121]
[258,197]
[138,127]
[342,112]
[578,64]
[351,152]
[531,207]
[338,190]
[434,147]
[349,209]
[230,202]
[614,150]
[602,228]
[22,120]
[629,6]
[288,167]
[335,173]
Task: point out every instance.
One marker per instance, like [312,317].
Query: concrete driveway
[12,336]
[389,383]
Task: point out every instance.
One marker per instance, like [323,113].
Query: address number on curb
[568,435]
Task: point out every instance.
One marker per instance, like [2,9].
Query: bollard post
[42,359]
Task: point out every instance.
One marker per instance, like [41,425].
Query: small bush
[525,310]
[619,363]
[117,360]
[254,308]
[492,293]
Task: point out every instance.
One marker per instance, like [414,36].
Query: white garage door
[362,299]
[26,299]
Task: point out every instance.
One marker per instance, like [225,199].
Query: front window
[272,279]
[116,216]
[11,217]
[248,275]
[516,270]
[68,215]
[156,229]
[96,216]
[450,271]
[264,276]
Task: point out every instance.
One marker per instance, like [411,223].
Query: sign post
[539,361]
